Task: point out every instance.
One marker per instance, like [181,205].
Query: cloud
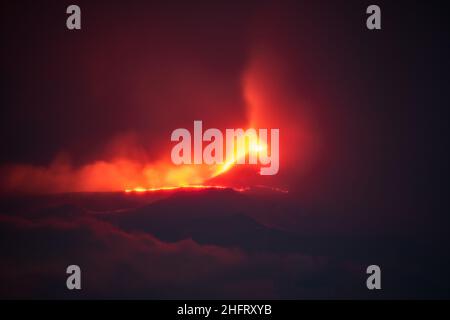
[117,264]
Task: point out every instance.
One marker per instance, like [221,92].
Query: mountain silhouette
[226,218]
[215,217]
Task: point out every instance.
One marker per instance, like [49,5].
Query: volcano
[229,243]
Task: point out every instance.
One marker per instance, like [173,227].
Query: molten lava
[198,172]
[187,187]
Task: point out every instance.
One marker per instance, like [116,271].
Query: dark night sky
[375,101]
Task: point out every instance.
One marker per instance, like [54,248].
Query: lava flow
[187,187]
[217,170]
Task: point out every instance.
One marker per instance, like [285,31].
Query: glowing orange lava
[200,175]
[239,154]
[187,187]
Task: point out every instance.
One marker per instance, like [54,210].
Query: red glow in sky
[146,89]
